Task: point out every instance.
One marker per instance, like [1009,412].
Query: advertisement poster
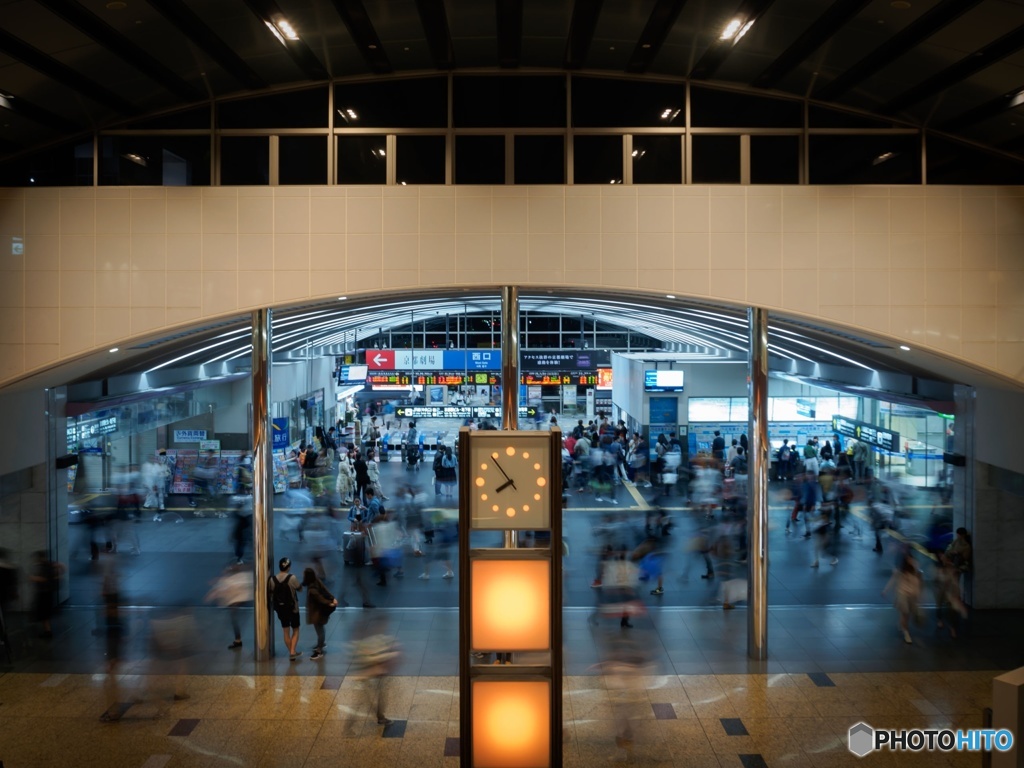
[436,395]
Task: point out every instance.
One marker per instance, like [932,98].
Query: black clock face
[510,481]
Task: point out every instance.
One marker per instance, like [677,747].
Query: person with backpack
[283,592]
[320,604]
[412,447]
[782,466]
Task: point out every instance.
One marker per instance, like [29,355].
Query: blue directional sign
[472,359]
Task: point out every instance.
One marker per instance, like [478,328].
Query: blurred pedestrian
[375,655]
[46,575]
[905,584]
[232,589]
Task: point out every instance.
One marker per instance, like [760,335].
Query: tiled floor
[294,720]
[690,688]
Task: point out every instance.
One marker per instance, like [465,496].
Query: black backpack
[283,600]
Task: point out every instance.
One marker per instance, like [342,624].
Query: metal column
[262,482]
[757,472]
[510,357]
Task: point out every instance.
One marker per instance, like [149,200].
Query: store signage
[189,435]
[433,359]
[209,445]
[564,360]
[392,379]
[105,425]
[279,433]
[885,439]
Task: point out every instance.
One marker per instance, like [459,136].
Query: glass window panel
[954,163]
[291,109]
[657,159]
[244,160]
[614,103]
[302,159]
[540,160]
[155,160]
[420,160]
[597,159]
[848,407]
[713,108]
[716,159]
[68,165]
[362,160]
[774,159]
[865,159]
[509,102]
[479,159]
[414,103]
[198,117]
[739,409]
[708,409]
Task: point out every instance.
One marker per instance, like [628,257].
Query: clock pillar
[510,357]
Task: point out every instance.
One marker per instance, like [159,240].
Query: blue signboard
[472,360]
[280,434]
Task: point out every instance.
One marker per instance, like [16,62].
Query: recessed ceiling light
[646,45]
[904,347]
[372,47]
[669,296]
[114,349]
[342,298]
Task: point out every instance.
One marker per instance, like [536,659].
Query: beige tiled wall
[936,267]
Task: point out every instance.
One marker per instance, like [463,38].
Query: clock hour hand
[504,485]
[510,481]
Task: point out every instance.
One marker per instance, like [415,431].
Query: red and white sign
[380,359]
[405,359]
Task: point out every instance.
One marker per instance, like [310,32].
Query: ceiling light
[276,32]
[133,157]
[904,347]
[669,296]
[882,158]
[646,45]
[735,29]
[287,29]
[342,298]
[114,349]
[372,47]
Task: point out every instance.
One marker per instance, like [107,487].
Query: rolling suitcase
[354,552]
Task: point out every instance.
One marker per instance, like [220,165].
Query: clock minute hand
[501,469]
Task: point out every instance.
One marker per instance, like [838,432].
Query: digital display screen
[663,381]
[604,378]
[399,379]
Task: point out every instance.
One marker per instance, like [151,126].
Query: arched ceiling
[69,67]
[690,330]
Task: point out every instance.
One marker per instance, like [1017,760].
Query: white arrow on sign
[377,359]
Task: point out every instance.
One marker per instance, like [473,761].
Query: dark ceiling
[68,68]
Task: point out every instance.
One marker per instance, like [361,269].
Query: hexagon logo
[861,739]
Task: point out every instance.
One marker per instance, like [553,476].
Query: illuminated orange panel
[511,724]
[511,605]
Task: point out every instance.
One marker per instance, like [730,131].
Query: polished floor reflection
[689,699]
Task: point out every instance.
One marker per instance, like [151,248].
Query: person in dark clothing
[320,604]
[362,475]
[718,447]
[46,575]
